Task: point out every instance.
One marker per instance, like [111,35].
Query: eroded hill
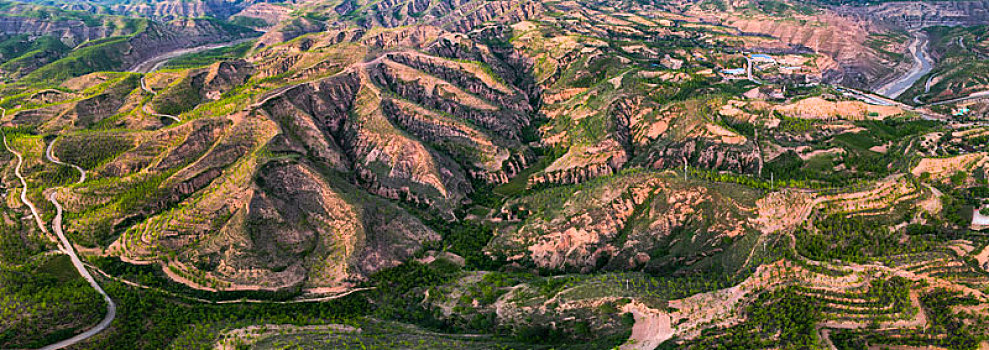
[479,174]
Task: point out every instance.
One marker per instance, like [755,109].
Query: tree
[959,177]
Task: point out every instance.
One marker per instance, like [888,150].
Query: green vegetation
[782,318]
[47,13]
[252,22]
[90,150]
[881,42]
[180,97]
[102,56]
[550,266]
[20,53]
[958,205]
[955,331]
[468,240]
[961,67]
[857,239]
[378,335]
[18,243]
[208,57]
[43,301]
[152,320]
[518,184]
[153,276]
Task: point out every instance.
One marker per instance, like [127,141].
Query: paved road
[17,172]
[111,307]
[973,96]
[50,153]
[884,101]
[869,98]
[748,70]
[922,64]
[148,110]
[66,246]
[927,90]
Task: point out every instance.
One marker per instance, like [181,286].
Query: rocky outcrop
[343,117]
[416,36]
[456,15]
[408,125]
[269,14]
[178,34]
[301,232]
[475,81]
[707,155]
[916,14]
[449,98]
[289,30]
[467,18]
[70,32]
[174,9]
[839,37]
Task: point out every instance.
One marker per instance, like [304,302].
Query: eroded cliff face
[34,36]
[603,120]
[159,38]
[173,9]
[410,126]
[70,32]
[269,14]
[124,50]
[916,14]
[299,181]
[235,205]
[298,231]
[301,187]
[454,15]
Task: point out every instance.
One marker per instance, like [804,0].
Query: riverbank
[922,65]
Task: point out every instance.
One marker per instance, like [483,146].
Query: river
[922,64]
[152,64]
